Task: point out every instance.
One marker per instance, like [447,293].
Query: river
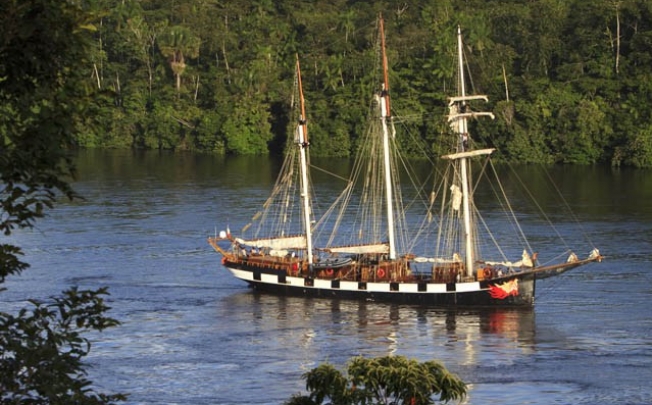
[192,334]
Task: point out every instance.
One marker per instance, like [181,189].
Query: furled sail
[472,153]
[526,261]
[421,259]
[380,248]
[288,242]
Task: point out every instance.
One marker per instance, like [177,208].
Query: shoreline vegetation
[568,80]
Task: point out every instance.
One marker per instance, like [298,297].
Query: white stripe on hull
[295,281]
[242,274]
[326,284]
[349,285]
[378,287]
[436,288]
[466,287]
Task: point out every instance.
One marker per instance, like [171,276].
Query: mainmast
[463,144]
[385,116]
[301,139]
[459,117]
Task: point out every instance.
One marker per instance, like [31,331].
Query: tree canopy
[43,45]
[382,380]
[567,80]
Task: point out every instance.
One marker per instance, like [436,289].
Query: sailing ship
[377,263]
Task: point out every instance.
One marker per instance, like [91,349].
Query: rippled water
[191,334]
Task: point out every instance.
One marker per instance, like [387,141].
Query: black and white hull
[513,290]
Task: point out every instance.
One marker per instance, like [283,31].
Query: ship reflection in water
[324,330]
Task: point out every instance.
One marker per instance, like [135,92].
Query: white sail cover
[526,261]
[440,260]
[456,195]
[455,100]
[280,243]
[380,248]
[472,153]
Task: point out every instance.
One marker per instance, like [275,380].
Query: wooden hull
[516,290]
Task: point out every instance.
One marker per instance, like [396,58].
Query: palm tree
[176,44]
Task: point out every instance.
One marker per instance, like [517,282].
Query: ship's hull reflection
[326,330]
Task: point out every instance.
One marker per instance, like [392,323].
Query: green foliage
[330,141]
[175,75]
[247,130]
[42,350]
[43,100]
[639,148]
[207,133]
[40,102]
[383,380]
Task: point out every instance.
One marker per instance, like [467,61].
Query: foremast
[385,117]
[301,140]
[459,121]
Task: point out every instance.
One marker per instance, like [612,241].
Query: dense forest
[568,80]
